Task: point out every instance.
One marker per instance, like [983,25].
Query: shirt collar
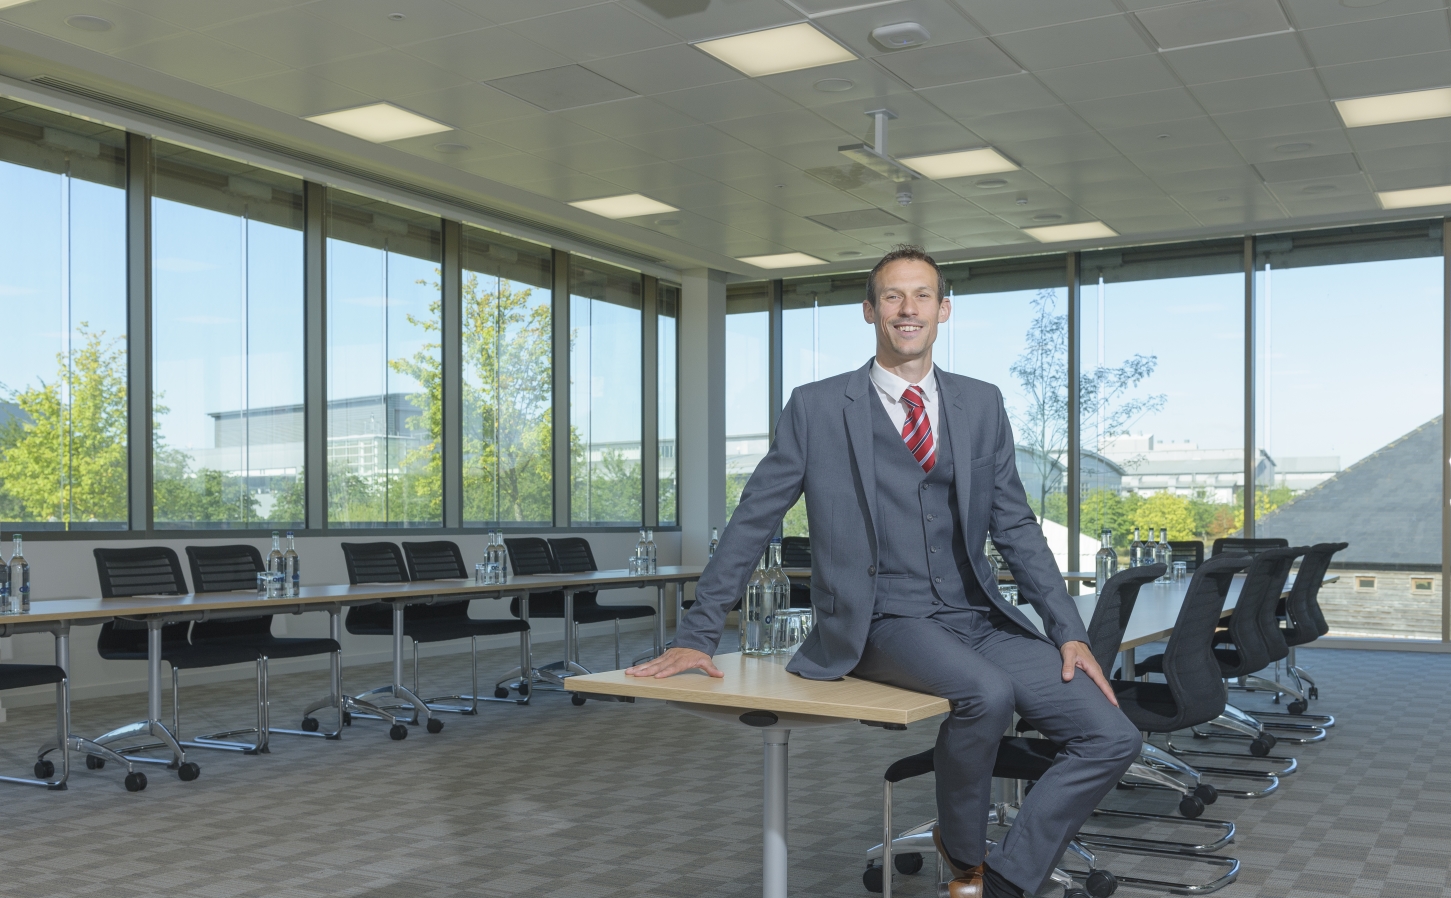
[895,386]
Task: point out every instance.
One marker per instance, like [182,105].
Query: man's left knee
[1120,741]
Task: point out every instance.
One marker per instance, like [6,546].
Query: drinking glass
[1181,572]
[493,573]
[269,584]
[791,628]
[1009,592]
[480,578]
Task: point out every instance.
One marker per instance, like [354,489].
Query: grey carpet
[638,801]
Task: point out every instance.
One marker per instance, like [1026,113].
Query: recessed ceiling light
[775,50]
[626,205]
[8,3]
[991,183]
[1083,230]
[1418,196]
[89,23]
[1047,216]
[849,253]
[1162,137]
[889,233]
[379,122]
[782,260]
[667,222]
[901,35]
[1386,109]
[834,85]
[396,16]
[1299,147]
[959,163]
[1360,4]
[452,147]
[1021,201]
[1319,188]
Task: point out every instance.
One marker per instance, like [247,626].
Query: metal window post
[1250,442]
[776,397]
[650,402]
[1072,463]
[559,316]
[138,329]
[451,380]
[1445,429]
[315,356]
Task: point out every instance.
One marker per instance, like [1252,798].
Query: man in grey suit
[907,469]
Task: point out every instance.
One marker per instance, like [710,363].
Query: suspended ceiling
[1160,119]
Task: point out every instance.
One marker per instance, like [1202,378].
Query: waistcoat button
[872,571]
[934,548]
[937,579]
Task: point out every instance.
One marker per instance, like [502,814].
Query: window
[666,337]
[1162,392]
[227,343]
[508,391]
[748,385]
[604,394]
[63,438]
[1422,585]
[823,331]
[1348,398]
[383,360]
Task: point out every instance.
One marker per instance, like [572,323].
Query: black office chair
[531,556]
[382,562]
[1304,620]
[21,676]
[448,620]
[796,552]
[235,569]
[573,556]
[1189,551]
[1234,545]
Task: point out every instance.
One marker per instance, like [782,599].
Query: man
[907,469]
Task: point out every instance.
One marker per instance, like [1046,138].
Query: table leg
[571,666]
[1128,665]
[659,619]
[421,712]
[773,818]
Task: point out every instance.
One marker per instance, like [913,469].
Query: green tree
[1166,510]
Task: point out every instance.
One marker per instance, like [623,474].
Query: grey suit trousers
[987,672]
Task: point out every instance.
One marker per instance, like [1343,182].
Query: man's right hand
[675,661]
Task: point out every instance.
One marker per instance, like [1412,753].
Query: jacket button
[932,517]
[872,571]
[934,548]
[937,579]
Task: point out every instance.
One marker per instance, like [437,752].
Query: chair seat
[18,676]
[586,611]
[447,629]
[1149,706]
[187,656]
[1019,758]
[277,646]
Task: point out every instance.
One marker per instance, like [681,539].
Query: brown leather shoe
[968,885]
[956,871]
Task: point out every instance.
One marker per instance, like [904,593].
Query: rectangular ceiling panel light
[782,260]
[1419,196]
[959,164]
[1083,230]
[627,205]
[1386,109]
[379,122]
[777,50]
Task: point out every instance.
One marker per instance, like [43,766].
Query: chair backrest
[437,560]
[1234,545]
[1190,667]
[796,551]
[374,563]
[530,555]
[572,555]
[1306,619]
[1254,612]
[140,571]
[1114,607]
[1189,551]
[227,569]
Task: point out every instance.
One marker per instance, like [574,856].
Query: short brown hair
[909,252]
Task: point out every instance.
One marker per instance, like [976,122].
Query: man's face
[908,310]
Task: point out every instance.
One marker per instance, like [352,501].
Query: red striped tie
[918,429]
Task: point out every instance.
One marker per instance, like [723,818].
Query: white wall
[67,569]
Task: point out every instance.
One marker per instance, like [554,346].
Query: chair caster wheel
[524,689]
[309,724]
[907,864]
[1260,747]
[501,692]
[44,770]
[1298,706]
[1074,893]
[435,725]
[577,700]
[135,782]
[1191,806]
[398,732]
[1206,793]
[872,879]
[1314,692]
[347,718]
[188,771]
[95,763]
[1101,884]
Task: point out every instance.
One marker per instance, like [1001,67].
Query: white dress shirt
[890,388]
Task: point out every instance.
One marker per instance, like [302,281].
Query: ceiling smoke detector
[901,36]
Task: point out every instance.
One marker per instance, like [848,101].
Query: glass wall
[227,331]
[1349,400]
[384,360]
[823,330]
[507,386]
[604,394]
[63,409]
[1162,392]
[748,385]
[667,306]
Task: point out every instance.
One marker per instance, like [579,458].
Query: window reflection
[604,394]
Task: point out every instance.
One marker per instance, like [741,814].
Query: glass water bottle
[1136,550]
[780,588]
[652,565]
[291,569]
[19,579]
[1163,554]
[757,613]
[714,542]
[1105,560]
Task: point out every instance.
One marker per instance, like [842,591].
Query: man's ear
[944,310]
[869,313]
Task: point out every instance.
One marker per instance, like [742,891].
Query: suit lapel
[954,410]
[859,432]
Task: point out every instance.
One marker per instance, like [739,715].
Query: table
[758,692]
[1004,576]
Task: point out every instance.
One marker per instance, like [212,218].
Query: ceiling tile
[944,22]
[1011,93]
[675,67]
[1408,178]
[196,14]
[1071,176]
[530,134]
[1080,42]
[295,38]
[645,178]
[1056,150]
[1152,226]
[628,118]
[1213,22]
[1110,210]
[1254,195]
[200,59]
[596,156]
[684,143]
[723,102]
[703,196]
[1397,36]
[735,164]
[911,110]
[1260,92]
[935,138]
[1000,18]
[867,80]
[695,20]
[1404,134]
[935,66]
[128,26]
[487,54]
[1293,146]
[1387,76]
[422,21]
[1113,192]
[453,152]
[1051,121]
[1224,178]
[594,32]
[1238,217]
[1307,168]
[565,87]
[387,74]
[1238,59]
[516,169]
[1189,132]
[1185,159]
[469,105]
[1280,120]
[570,186]
[1331,204]
[1110,78]
[784,129]
[505,11]
[1406,158]
[1121,112]
[296,93]
[1317,13]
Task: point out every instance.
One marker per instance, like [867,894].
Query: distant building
[1184,469]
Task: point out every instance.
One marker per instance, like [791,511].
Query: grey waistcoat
[920,551]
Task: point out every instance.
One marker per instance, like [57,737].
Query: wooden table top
[763,684]
[804,573]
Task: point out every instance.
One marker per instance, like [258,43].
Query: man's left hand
[1077,656]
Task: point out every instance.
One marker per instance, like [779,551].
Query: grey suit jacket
[823,447]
